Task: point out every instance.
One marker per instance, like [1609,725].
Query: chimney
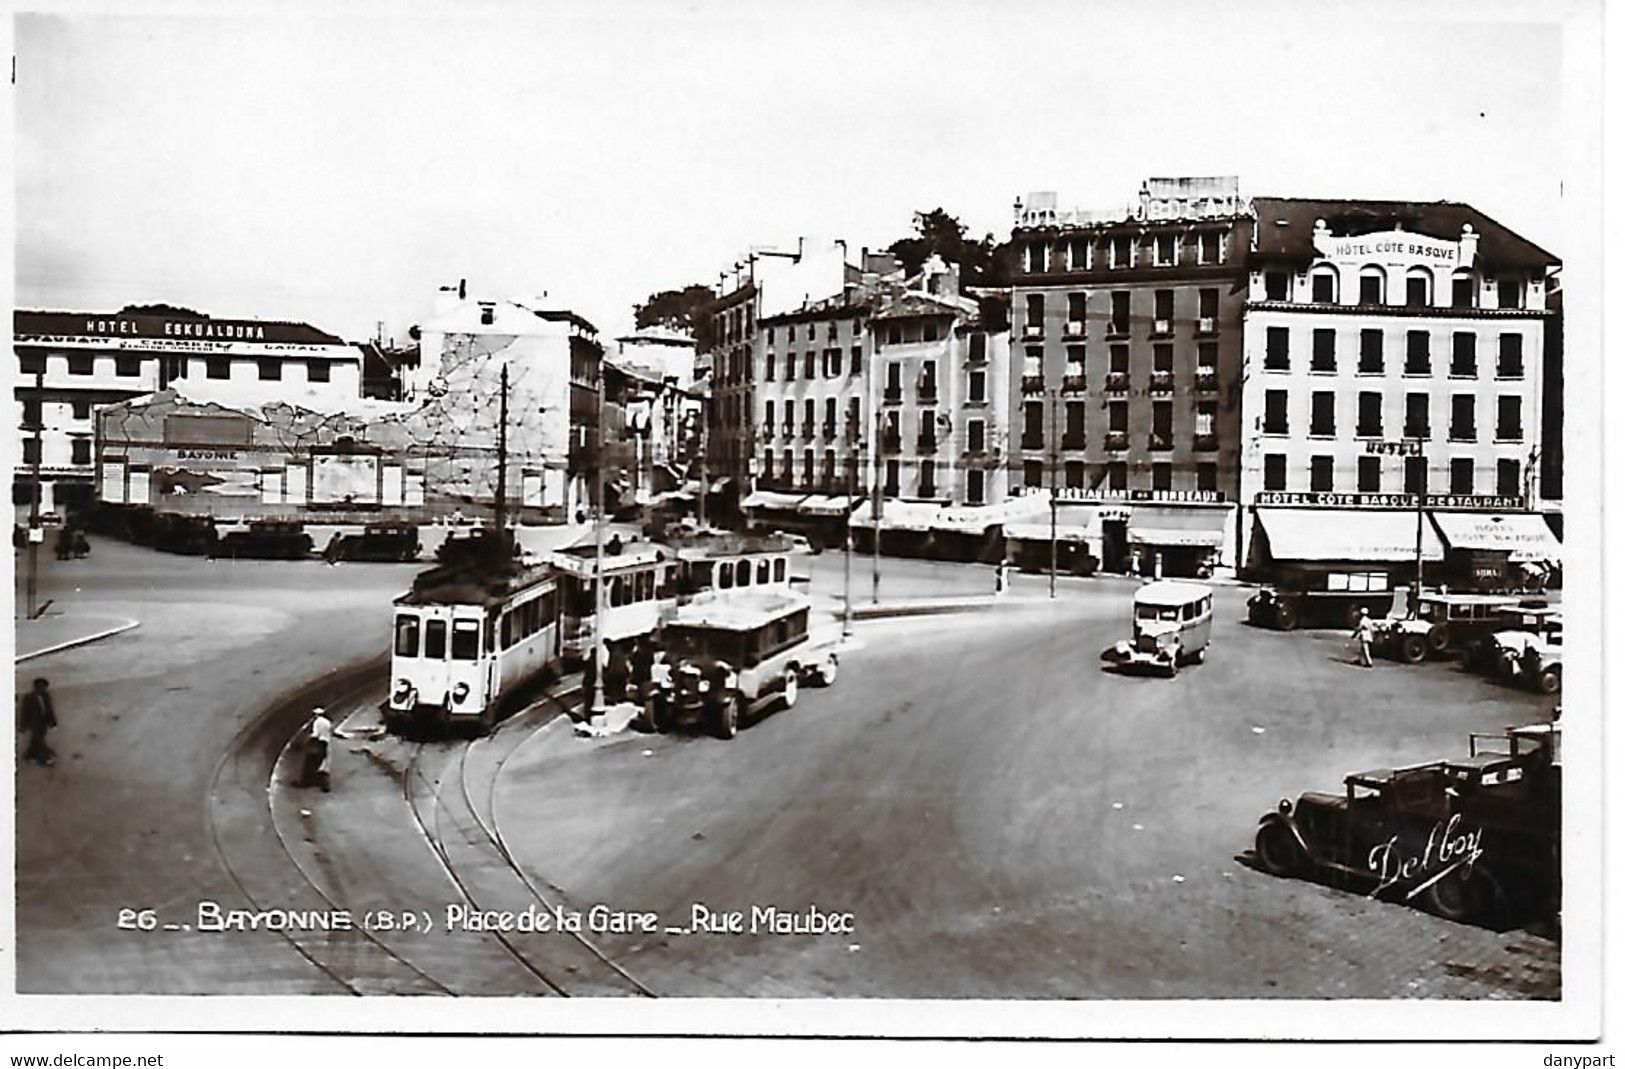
[1469,244]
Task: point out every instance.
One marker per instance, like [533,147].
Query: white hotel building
[1391,348]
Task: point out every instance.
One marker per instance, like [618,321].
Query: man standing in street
[318,746]
[36,716]
[1363,633]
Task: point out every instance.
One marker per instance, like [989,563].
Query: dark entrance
[1114,551]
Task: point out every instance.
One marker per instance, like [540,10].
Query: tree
[159,310]
[981,262]
[675,309]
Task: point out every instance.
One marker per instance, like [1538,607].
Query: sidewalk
[59,631]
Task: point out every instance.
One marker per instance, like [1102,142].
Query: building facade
[71,364]
[1392,349]
[811,403]
[727,358]
[1126,354]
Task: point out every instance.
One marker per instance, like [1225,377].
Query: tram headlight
[459,693]
[402,694]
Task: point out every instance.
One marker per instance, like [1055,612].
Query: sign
[1312,499]
[1173,497]
[1392,247]
[1409,448]
[81,326]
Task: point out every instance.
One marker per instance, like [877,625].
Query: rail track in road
[283,852]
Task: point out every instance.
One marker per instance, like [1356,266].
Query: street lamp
[851,493]
[1054,488]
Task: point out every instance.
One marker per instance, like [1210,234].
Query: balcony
[1116,382]
[852,432]
[1032,384]
[1206,443]
[1418,430]
[1033,330]
[1275,427]
[1207,325]
[1466,371]
[1074,441]
[891,442]
[1073,384]
[1467,433]
[1370,367]
[1116,440]
[789,430]
[1117,329]
[1162,382]
[925,443]
[892,395]
[928,394]
[1207,380]
[1418,367]
[976,449]
[1032,442]
[1074,328]
[891,490]
[829,429]
[1368,430]
[1160,443]
[767,432]
[1512,433]
[809,430]
[1509,371]
[1162,326]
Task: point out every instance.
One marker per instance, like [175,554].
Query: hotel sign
[1412,448]
[1172,497]
[1464,502]
[1392,247]
[47,327]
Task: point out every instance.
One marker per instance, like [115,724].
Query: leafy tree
[675,309]
[982,262]
[159,310]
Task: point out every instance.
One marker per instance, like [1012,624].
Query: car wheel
[1551,681]
[1438,638]
[728,716]
[827,672]
[1278,850]
[792,684]
[1456,897]
[1413,649]
[1286,616]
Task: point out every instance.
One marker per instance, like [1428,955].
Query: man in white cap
[1364,631]
[318,744]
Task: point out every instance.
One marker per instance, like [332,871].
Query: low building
[71,364]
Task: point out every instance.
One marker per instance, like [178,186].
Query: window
[928,478]
[1207,358]
[1462,427]
[1207,248]
[434,640]
[1032,425]
[1162,476]
[1323,286]
[1371,352]
[1035,257]
[975,435]
[1320,474]
[789,366]
[1032,473]
[1508,478]
[1074,475]
[1324,357]
[1370,475]
[126,366]
[270,369]
[1162,424]
[219,367]
[1118,359]
[1509,418]
[1322,414]
[32,413]
[928,380]
[1418,287]
[1072,437]
[977,386]
[1275,349]
[1117,475]
[1207,476]
[1275,412]
[1417,358]
[767,465]
[930,330]
[1370,421]
[1119,323]
[32,363]
[975,491]
[810,365]
[407,631]
[1372,284]
[1122,253]
[1162,358]
[1077,305]
[1164,250]
[1162,311]
[893,469]
[829,467]
[465,640]
[1509,293]
[807,467]
[832,357]
[1207,308]
[1035,314]
[1206,413]
[978,348]
[1416,416]
[1276,285]
[1461,475]
[1117,417]
[767,415]
[1074,366]
[81,408]
[857,359]
[1461,289]
[1275,471]
[1464,355]
[809,417]
[81,363]
[1416,475]
[1509,362]
[175,367]
[769,366]
[31,453]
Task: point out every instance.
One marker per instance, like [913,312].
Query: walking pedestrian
[36,715]
[318,769]
[1000,577]
[1364,631]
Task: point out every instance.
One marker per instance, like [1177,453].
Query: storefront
[1292,546]
[1177,540]
[1078,537]
[1497,550]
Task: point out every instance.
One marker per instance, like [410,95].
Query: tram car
[640,591]
[718,561]
[467,637]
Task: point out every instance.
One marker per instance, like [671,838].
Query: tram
[640,591]
[467,637]
[716,561]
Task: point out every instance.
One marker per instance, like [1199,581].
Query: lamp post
[851,492]
[1421,500]
[1054,479]
[596,707]
[35,534]
[874,512]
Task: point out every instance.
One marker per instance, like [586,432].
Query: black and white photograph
[870,520]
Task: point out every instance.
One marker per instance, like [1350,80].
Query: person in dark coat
[64,544]
[36,715]
[616,673]
[81,545]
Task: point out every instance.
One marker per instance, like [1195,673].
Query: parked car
[1321,599]
[1518,652]
[1443,623]
[265,539]
[734,656]
[382,541]
[1173,623]
[1474,838]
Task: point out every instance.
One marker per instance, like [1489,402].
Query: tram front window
[465,640]
[434,640]
[406,635]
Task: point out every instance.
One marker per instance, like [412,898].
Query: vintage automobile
[1442,623]
[381,541]
[1531,641]
[733,655]
[1474,838]
[1173,622]
[265,539]
[1316,598]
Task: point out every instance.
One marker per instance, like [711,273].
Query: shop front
[1498,550]
[1078,535]
[1300,548]
[1177,540]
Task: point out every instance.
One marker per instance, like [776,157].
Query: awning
[1073,523]
[1346,534]
[898,515]
[1162,525]
[824,505]
[771,499]
[1523,534]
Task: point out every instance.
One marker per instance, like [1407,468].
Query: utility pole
[851,492]
[1054,487]
[1421,499]
[35,533]
[595,707]
[502,470]
[874,512]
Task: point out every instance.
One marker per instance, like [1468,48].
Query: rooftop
[1286,227]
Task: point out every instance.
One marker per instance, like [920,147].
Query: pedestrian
[655,703]
[333,552]
[318,768]
[1000,577]
[64,544]
[81,545]
[36,715]
[1364,631]
[589,679]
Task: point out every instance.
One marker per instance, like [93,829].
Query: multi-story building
[728,355]
[663,408]
[1126,358]
[1392,349]
[72,363]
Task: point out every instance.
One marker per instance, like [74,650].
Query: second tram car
[465,642]
[640,588]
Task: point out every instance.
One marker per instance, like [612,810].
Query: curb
[81,641]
